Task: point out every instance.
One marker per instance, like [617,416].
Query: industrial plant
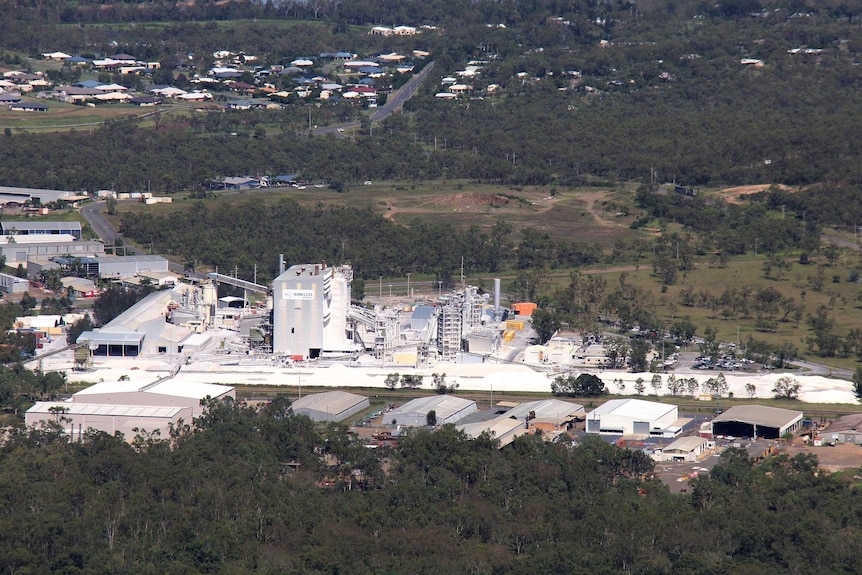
[306,314]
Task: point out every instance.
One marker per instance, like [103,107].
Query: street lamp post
[380,293]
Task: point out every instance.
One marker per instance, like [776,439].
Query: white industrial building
[145,327]
[13,284]
[19,249]
[169,393]
[10,194]
[629,417]
[32,226]
[330,406]
[78,418]
[447,408]
[129,407]
[121,267]
[310,305]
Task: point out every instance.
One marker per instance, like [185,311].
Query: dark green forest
[264,491]
[240,236]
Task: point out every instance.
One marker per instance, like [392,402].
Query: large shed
[41,227]
[128,266]
[632,417]
[756,421]
[330,406]
[504,429]
[447,408]
[554,411]
[169,393]
[77,418]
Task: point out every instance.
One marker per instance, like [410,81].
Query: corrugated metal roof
[759,415]
[503,428]
[112,387]
[151,307]
[554,410]
[634,408]
[686,444]
[189,389]
[102,337]
[41,225]
[332,402]
[172,387]
[44,407]
[46,196]
[444,405]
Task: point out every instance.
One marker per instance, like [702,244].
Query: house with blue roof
[91,84]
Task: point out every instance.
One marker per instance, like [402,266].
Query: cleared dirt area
[465,202]
[735,195]
[842,456]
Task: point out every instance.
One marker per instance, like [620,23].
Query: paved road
[394,103]
[94,216]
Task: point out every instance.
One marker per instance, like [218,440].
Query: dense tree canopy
[251,491]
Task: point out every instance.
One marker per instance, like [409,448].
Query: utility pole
[380,292]
[439,290]
[408,285]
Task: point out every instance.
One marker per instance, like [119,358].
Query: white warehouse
[447,408]
[77,418]
[169,393]
[632,417]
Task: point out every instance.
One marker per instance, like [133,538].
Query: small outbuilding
[756,421]
[690,448]
[845,429]
[330,406]
[446,408]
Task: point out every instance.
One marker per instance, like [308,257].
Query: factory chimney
[280,264]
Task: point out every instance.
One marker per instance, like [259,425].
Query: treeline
[265,491]
[253,233]
[734,229]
